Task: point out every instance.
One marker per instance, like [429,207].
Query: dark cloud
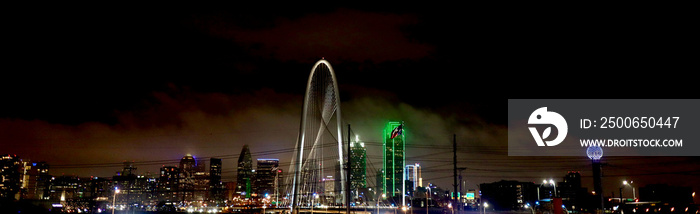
[343,35]
[171,126]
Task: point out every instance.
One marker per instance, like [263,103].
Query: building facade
[266,175]
[413,175]
[393,159]
[168,183]
[10,176]
[216,186]
[358,161]
[244,187]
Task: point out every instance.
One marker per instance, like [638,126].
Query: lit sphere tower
[595,153]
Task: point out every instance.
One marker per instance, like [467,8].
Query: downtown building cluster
[183,185]
[189,185]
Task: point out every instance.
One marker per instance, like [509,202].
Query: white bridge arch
[317,149]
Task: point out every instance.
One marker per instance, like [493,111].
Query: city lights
[272,129]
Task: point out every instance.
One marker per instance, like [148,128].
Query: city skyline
[166,84]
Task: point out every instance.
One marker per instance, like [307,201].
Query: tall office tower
[200,181]
[358,175]
[413,174]
[279,185]
[216,187]
[29,178]
[128,183]
[244,181]
[394,159]
[572,190]
[168,183]
[10,176]
[35,180]
[265,176]
[187,167]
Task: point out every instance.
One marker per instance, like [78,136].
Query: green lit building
[394,159]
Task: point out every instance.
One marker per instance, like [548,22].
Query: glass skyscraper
[244,187]
[394,159]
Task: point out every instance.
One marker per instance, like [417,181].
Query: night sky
[85,90]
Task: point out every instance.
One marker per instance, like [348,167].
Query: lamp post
[555,187]
[625,183]
[485,206]
[383,196]
[114,198]
[634,193]
[551,181]
[427,202]
[538,189]
[527,206]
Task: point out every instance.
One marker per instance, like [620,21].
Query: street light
[427,202]
[625,183]
[383,196]
[532,209]
[485,206]
[555,187]
[551,181]
[114,198]
[538,189]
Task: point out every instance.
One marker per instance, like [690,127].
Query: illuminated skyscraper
[358,175]
[394,159]
[168,183]
[413,174]
[35,182]
[187,168]
[265,177]
[215,185]
[244,181]
[10,176]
